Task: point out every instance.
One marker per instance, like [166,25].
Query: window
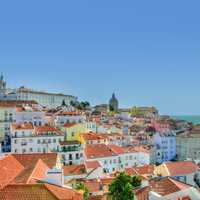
[110,161]
[23,134]
[31,150]
[70,156]
[15,141]
[15,150]
[73,134]
[38,141]
[54,140]
[49,141]
[77,156]
[105,162]
[15,134]
[23,150]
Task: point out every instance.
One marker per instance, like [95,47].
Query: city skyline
[58,86]
[148,55]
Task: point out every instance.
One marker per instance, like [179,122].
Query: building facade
[165,146]
[46,99]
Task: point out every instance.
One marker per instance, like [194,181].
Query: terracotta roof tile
[13,103]
[46,129]
[74,170]
[32,173]
[24,126]
[39,192]
[50,159]
[181,167]
[145,170]
[68,125]
[166,186]
[92,164]
[117,149]
[92,136]
[10,168]
[98,151]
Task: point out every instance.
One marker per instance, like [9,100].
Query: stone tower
[2,83]
[113,103]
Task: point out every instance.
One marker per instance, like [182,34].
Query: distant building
[2,83]
[46,99]
[113,103]
[165,146]
[187,145]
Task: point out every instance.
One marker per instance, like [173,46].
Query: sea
[195,119]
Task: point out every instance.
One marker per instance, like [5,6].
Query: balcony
[70,149]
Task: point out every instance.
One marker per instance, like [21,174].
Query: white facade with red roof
[112,157]
[62,118]
[27,138]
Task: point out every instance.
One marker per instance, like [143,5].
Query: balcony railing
[69,149]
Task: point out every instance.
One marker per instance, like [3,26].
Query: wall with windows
[35,144]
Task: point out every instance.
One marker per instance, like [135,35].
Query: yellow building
[73,131]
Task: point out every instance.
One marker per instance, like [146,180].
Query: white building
[49,100]
[71,152]
[165,146]
[29,114]
[29,139]
[68,117]
[113,158]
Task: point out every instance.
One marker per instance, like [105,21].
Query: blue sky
[148,52]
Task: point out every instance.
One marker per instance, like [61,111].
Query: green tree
[136,181]
[121,188]
[81,186]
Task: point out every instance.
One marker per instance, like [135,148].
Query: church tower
[2,83]
[113,103]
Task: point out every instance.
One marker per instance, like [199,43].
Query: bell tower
[2,83]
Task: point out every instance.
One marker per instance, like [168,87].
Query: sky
[147,52]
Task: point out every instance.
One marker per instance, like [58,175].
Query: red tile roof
[181,168]
[145,170]
[92,164]
[93,185]
[50,159]
[38,192]
[43,130]
[163,187]
[69,113]
[166,186]
[69,125]
[74,170]
[131,172]
[24,126]
[92,136]
[117,149]
[63,193]
[9,169]
[98,151]
[13,103]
